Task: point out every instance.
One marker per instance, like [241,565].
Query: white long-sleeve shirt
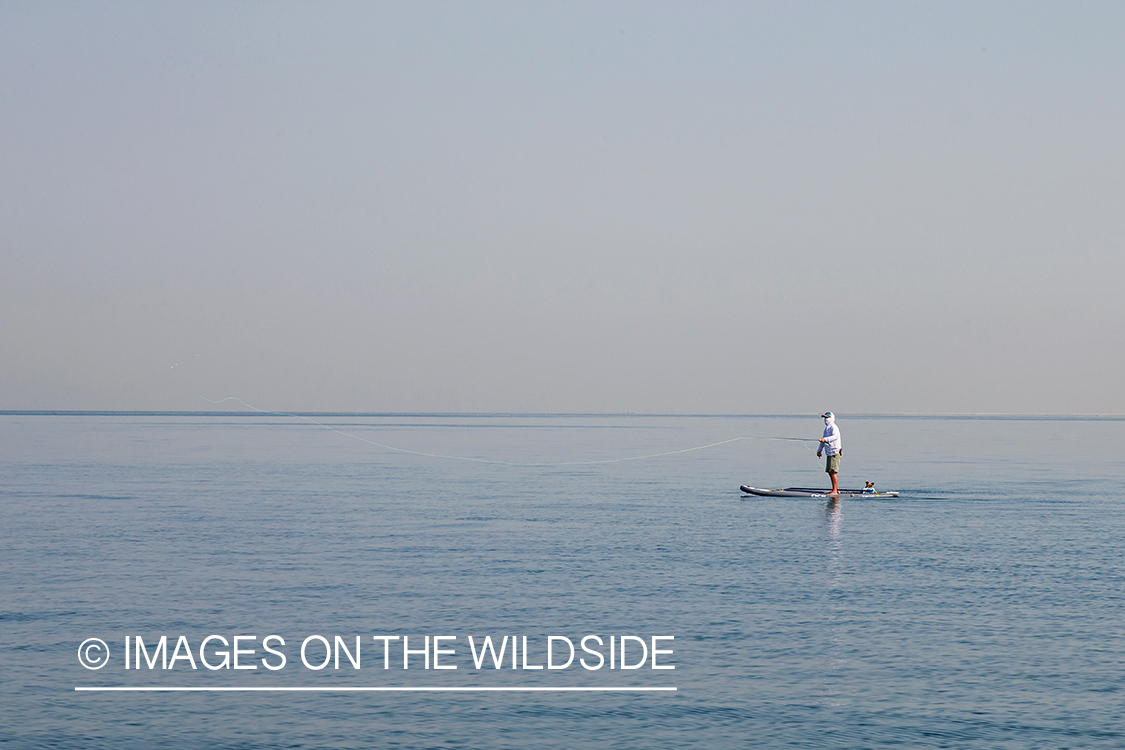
[832,444]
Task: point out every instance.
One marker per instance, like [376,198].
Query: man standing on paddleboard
[830,443]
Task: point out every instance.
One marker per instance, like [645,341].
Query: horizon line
[477,415]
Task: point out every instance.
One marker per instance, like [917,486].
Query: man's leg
[835,482]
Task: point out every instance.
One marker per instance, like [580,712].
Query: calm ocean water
[985,608]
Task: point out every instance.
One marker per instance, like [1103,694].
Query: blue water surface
[982,609]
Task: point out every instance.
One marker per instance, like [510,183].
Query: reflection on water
[834,593]
[833,514]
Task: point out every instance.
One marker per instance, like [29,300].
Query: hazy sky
[682,207]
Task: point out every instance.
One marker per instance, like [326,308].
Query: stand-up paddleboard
[811,492]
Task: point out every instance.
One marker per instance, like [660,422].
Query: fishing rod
[503,463]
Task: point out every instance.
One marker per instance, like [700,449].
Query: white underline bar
[110,689]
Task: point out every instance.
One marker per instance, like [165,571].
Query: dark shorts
[832,466]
